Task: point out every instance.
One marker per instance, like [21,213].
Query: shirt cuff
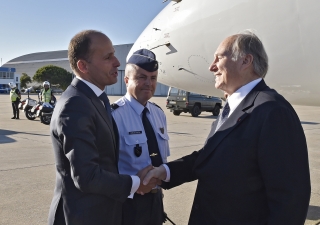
[168,172]
[135,185]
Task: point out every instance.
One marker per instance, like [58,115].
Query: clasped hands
[150,177]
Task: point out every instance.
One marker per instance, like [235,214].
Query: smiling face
[226,70]
[140,83]
[101,67]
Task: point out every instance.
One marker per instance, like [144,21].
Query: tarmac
[27,174]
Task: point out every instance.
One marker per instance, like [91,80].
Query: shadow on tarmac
[200,116]
[313,213]
[310,123]
[5,139]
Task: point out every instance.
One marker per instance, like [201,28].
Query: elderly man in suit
[89,188]
[253,168]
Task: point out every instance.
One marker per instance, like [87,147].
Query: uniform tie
[224,115]
[103,97]
[152,140]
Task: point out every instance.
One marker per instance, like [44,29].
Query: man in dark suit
[89,188]
[253,168]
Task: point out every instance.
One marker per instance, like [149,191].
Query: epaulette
[114,106]
[156,105]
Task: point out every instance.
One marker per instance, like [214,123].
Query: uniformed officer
[143,136]
[15,97]
[46,93]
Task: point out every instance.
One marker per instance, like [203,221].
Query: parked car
[179,101]
[4,88]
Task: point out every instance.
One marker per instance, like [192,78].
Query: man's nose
[116,62]
[148,81]
[213,67]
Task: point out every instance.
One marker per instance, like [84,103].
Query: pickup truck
[179,101]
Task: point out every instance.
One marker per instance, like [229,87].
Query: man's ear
[247,61]
[125,78]
[82,66]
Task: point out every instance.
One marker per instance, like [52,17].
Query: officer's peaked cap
[145,59]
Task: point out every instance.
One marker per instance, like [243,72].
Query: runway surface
[27,172]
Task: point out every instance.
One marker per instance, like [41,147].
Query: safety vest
[46,95]
[13,95]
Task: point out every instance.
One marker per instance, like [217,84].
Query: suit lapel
[96,102]
[240,113]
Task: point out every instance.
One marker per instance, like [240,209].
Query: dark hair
[79,47]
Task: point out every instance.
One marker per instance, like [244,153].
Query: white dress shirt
[234,100]
[98,92]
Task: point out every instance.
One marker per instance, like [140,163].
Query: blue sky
[29,26]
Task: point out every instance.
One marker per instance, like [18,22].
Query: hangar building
[30,63]
[8,75]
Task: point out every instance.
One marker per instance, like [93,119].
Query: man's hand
[159,173]
[150,185]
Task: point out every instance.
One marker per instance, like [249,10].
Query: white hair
[248,43]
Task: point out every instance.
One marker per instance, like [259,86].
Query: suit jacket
[88,184]
[254,170]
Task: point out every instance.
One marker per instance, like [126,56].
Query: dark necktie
[152,140]
[103,97]
[224,115]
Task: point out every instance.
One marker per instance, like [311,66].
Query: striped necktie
[224,116]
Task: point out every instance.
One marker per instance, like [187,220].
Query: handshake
[150,177]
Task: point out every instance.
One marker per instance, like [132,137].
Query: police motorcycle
[45,109]
[34,110]
[27,104]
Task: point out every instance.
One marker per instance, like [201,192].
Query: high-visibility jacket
[46,95]
[13,95]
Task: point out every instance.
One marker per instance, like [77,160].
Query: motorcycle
[26,105]
[45,112]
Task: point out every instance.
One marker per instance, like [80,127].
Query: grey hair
[248,43]
[130,68]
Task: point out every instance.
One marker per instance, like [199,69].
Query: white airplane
[186,33]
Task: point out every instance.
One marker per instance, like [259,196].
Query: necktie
[224,115]
[152,140]
[103,97]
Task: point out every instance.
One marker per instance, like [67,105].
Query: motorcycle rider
[15,97]
[46,94]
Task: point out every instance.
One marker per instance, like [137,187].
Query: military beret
[145,59]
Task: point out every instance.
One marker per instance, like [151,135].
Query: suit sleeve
[181,170]
[77,132]
[283,161]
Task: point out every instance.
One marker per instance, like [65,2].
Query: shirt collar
[136,106]
[93,87]
[235,99]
